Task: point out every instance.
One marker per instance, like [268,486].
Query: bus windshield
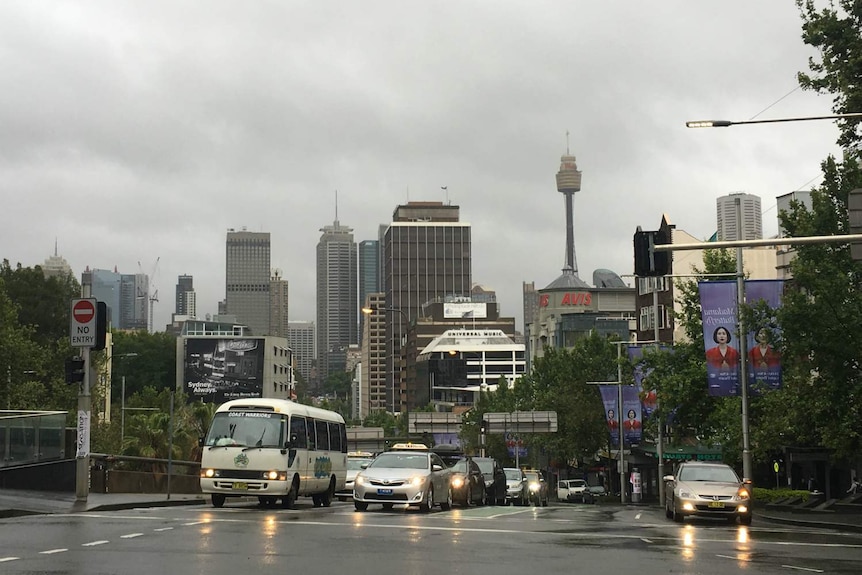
[246,429]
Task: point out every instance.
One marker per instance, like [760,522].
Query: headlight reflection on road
[688,545]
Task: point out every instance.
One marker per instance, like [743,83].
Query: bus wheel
[218,500]
[288,500]
[316,501]
[326,498]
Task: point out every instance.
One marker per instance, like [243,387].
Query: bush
[763,495]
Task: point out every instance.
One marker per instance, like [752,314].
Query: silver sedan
[707,490]
[404,477]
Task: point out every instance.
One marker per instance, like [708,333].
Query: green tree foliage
[147,360]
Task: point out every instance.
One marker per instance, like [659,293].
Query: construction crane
[153,296]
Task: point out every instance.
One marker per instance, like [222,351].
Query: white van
[573,490]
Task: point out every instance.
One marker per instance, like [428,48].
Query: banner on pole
[718,313]
[764,361]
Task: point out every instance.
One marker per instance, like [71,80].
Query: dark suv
[495,480]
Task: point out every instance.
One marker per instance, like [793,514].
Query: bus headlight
[272,475]
[208,473]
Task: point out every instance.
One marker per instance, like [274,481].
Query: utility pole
[82,455]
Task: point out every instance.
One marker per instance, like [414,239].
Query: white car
[573,490]
[411,477]
[707,489]
[355,460]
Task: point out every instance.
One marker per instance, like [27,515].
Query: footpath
[845,515]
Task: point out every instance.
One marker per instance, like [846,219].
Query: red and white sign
[82,331]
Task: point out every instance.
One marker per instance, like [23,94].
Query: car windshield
[356,463]
[485,466]
[711,473]
[460,466]
[532,476]
[400,461]
[513,474]
[579,483]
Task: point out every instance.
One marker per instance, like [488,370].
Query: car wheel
[447,505]
[677,516]
[288,500]
[326,498]
[360,505]
[426,505]
[745,519]
[218,500]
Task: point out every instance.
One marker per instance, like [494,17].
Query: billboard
[216,370]
[464,310]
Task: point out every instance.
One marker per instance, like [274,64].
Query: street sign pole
[82,455]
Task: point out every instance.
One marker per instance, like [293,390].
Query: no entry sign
[82,331]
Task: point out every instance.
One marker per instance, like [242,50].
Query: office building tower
[736,211]
[369,272]
[303,341]
[247,269]
[185,298]
[278,316]
[56,265]
[427,255]
[337,303]
[531,304]
[125,295]
[373,381]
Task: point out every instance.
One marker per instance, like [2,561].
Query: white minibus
[274,449]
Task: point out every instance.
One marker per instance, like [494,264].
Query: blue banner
[631,414]
[718,312]
[764,361]
[609,399]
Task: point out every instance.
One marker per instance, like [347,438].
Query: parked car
[355,459]
[574,490]
[495,480]
[538,488]
[468,483]
[414,477]
[516,486]
[707,489]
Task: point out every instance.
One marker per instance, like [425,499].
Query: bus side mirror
[201,441]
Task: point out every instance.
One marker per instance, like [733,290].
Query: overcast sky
[136,131]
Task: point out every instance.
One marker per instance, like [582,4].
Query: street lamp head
[708,124]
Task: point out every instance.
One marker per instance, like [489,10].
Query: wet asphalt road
[243,538]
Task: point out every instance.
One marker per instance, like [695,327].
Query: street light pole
[741,334]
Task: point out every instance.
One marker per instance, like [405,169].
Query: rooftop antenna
[567,143]
[336,207]
[55,246]
[446,189]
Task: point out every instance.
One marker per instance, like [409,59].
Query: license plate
[240,485]
[384,492]
[717,504]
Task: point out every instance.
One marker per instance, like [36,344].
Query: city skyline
[192,147]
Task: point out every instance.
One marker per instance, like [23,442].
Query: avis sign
[82,331]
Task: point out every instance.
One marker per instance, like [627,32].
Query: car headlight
[743,494]
[359,480]
[534,487]
[685,494]
[457,482]
[418,480]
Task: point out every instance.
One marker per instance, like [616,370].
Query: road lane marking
[638,516]
[94,543]
[193,523]
[645,540]
[130,535]
[5,559]
[733,557]
[52,551]
[803,568]
[163,529]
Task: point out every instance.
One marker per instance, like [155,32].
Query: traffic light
[648,262]
[483,427]
[75,370]
[101,325]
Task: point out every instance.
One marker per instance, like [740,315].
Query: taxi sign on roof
[410,445]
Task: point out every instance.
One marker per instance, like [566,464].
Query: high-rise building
[337,303]
[247,268]
[531,304]
[56,265]
[568,183]
[373,382]
[186,302]
[728,210]
[125,295]
[278,316]
[302,338]
[369,272]
[427,255]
